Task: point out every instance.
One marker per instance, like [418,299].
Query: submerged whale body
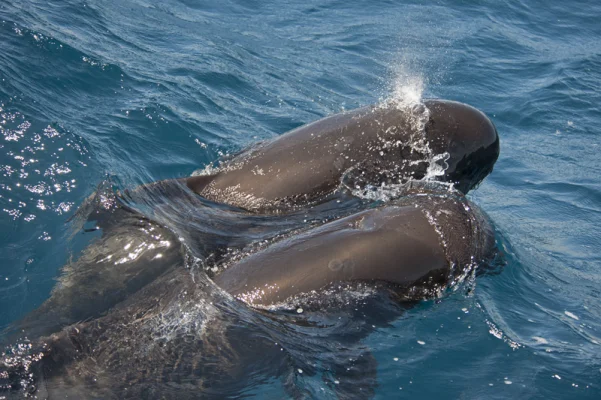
[136,316]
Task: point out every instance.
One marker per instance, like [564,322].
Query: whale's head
[468,136]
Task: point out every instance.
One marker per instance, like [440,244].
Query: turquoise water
[136,91]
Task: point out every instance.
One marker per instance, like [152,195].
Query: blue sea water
[142,90]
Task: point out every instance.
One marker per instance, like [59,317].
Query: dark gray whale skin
[416,245]
[91,339]
[374,144]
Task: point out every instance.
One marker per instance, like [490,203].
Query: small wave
[22,280]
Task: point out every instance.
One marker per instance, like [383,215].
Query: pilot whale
[105,313]
[374,145]
[161,342]
[416,245]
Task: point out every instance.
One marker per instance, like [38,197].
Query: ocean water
[135,91]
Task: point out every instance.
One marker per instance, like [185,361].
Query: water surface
[139,90]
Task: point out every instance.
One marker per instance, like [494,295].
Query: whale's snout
[469,137]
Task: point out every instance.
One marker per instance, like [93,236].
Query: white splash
[438,166]
[407,87]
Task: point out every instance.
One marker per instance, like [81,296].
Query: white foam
[437,166]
